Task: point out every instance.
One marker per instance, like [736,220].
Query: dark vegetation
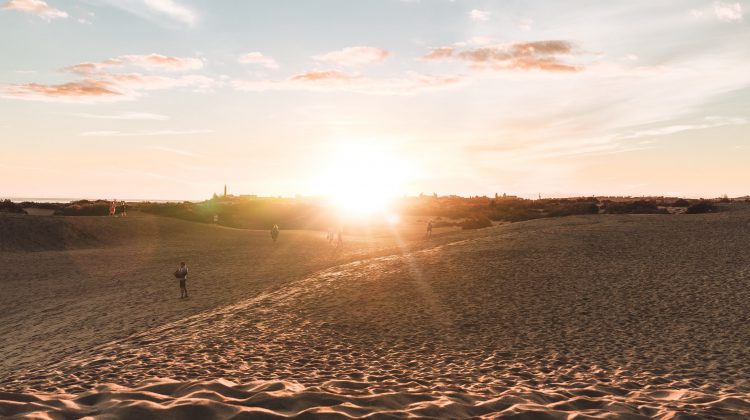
[7,206]
[465,212]
[633,207]
[702,207]
[681,203]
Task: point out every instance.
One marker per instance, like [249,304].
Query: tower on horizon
[225,190]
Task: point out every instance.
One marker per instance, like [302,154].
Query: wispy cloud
[707,122]
[104,88]
[723,11]
[144,61]
[157,10]
[258,58]
[122,116]
[98,84]
[115,133]
[37,7]
[339,81]
[479,15]
[728,12]
[539,55]
[172,9]
[162,62]
[525,24]
[355,56]
[85,91]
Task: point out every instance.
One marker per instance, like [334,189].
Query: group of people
[182,270]
[337,237]
[113,208]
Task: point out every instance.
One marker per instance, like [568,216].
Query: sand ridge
[627,317]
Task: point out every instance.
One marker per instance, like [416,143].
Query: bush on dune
[476,223]
[701,207]
[97,208]
[681,203]
[7,206]
[571,209]
[633,207]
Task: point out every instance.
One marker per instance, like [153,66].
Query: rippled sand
[579,317]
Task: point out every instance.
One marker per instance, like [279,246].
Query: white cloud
[172,9]
[728,12]
[479,15]
[156,10]
[525,24]
[37,7]
[723,11]
[258,58]
[354,56]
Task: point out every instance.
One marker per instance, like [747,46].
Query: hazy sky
[173,98]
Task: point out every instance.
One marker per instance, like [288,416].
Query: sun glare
[362,180]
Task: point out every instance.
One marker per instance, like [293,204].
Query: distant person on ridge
[181,274]
[112,208]
[275,232]
[429,229]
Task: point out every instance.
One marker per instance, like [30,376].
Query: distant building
[225,190]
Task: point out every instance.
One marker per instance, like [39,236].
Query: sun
[361,179]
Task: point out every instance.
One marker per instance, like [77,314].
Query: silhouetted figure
[181,274]
[329,236]
[429,229]
[124,212]
[275,232]
[112,208]
[340,238]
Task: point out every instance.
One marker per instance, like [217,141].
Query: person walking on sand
[181,274]
[339,238]
[429,229]
[275,232]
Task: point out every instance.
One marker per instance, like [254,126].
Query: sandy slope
[624,316]
[73,282]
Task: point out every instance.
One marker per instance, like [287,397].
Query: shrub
[570,209]
[7,206]
[681,203]
[478,223]
[634,207]
[91,209]
[701,207]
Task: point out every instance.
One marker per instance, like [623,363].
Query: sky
[172,99]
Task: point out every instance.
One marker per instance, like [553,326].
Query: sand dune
[579,317]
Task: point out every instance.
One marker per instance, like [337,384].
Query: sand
[580,317]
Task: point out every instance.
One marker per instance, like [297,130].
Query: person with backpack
[181,274]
